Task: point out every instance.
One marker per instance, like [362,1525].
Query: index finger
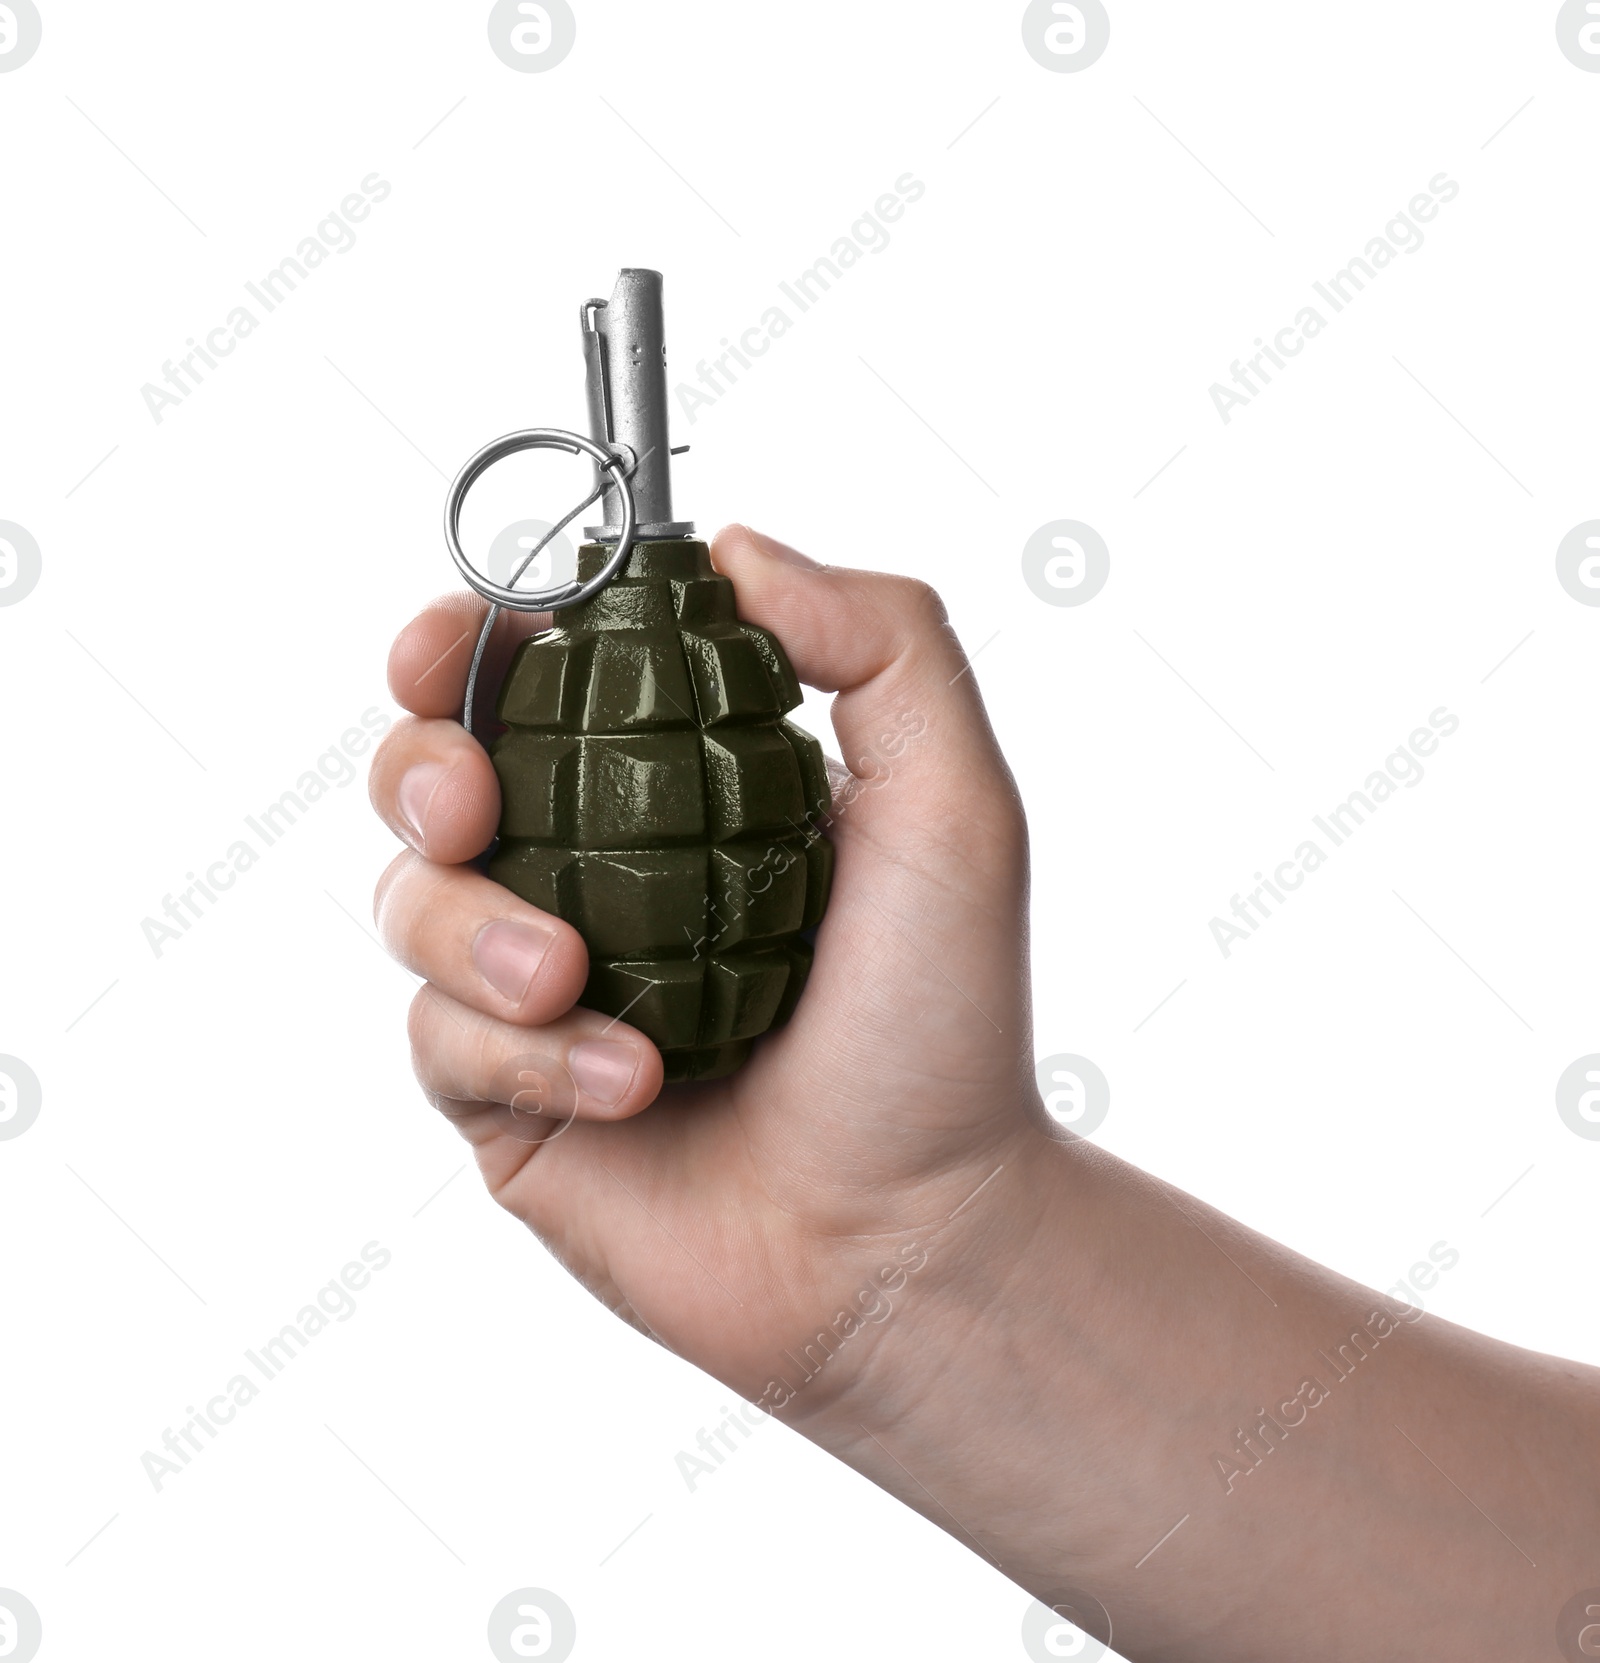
[429,660]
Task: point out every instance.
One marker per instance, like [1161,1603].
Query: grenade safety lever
[625,365]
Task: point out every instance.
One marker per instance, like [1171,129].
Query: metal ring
[539,438]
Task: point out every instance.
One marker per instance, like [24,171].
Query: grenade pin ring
[617,463]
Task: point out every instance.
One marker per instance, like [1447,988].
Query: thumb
[922,968]
[908,714]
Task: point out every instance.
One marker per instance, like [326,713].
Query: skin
[876,1231]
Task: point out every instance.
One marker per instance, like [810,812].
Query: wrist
[985,1299]
[1059,1378]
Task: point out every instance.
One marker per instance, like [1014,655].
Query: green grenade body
[655,798]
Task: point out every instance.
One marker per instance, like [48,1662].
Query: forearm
[1107,1386]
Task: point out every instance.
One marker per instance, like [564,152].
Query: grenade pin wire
[516,577]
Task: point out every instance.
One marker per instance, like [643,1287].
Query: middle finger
[478,942]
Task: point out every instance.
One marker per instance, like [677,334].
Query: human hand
[1080,1335]
[737,1220]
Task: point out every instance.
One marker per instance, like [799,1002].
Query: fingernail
[508,954]
[417,786]
[782,551]
[603,1070]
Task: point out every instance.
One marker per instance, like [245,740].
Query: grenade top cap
[625,364]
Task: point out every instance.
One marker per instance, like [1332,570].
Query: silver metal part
[611,475]
[625,366]
[615,467]
[650,532]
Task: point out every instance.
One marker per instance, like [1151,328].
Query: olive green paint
[654,797]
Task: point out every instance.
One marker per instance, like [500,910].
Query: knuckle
[434,1056]
[393,743]
[419,1025]
[414,913]
[437,1037]
[486,1055]
[389,880]
[916,607]
[455,1050]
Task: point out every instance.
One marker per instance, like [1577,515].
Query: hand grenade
[653,795]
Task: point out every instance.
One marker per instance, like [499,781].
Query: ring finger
[582,1066]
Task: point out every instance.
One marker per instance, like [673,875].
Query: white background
[224,1126]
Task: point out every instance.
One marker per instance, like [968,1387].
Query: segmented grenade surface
[656,799]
